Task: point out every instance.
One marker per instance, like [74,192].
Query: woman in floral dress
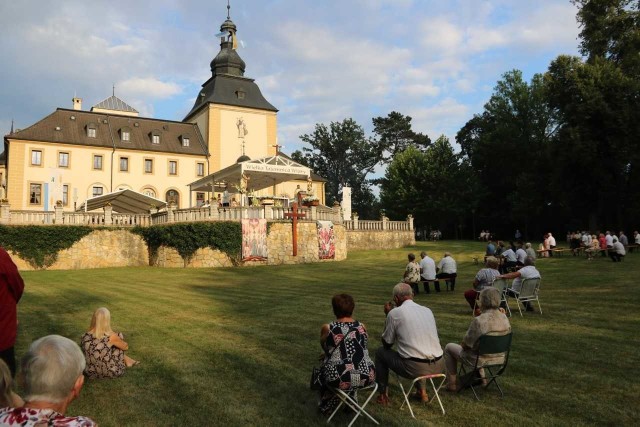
[346,363]
[104,349]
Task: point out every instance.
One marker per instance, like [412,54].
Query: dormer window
[155,137]
[91,130]
[240,93]
[125,134]
[185,140]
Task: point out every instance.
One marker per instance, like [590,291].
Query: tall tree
[343,155]
[507,146]
[436,186]
[395,135]
[611,30]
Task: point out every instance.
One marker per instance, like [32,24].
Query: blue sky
[316,61]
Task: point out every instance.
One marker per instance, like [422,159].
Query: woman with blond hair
[104,349]
[8,398]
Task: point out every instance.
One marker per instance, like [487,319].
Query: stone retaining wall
[366,239]
[99,249]
[121,248]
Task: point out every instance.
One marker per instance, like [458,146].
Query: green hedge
[188,238]
[39,244]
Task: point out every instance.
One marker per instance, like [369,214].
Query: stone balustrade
[108,218]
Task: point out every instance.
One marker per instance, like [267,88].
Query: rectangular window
[173,167]
[36,157]
[35,194]
[97,161]
[63,160]
[200,169]
[126,136]
[97,191]
[91,132]
[124,164]
[65,195]
[185,142]
[148,165]
[155,139]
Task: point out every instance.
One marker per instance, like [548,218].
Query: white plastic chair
[352,402]
[413,383]
[528,292]
[502,285]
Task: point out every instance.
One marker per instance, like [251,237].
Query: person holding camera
[412,328]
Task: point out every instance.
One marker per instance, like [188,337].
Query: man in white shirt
[412,328]
[617,251]
[447,269]
[552,243]
[509,260]
[521,254]
[636,236]
[427,270]
[608,239]
[529,271]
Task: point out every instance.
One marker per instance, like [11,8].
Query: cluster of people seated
[347,364]
[485,236]
[604,243]
[427,272]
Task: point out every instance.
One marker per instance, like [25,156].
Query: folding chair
[413,383]
[352,402]
[502,285]
[487,345]
[528,292]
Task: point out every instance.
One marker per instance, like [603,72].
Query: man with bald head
[412,328]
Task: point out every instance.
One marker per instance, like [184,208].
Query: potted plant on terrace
[310,200]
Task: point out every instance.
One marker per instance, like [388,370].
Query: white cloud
[148,87]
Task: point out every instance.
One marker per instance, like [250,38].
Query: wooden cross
[294,215]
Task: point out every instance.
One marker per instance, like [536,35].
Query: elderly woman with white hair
[52,372]
[492,321]
[104,349]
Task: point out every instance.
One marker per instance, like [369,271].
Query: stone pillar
[385,222]
[170,208]
[355,221]
[346,202]
[213,209]
[5,213]
[108,219]
[410,221]
[313,213]
[268,211]
[58,217]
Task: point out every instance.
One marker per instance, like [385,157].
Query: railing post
[385,223]
[213,209]
[5,212]
[410,221]
[313,213]
[356,226]
[58,217]
[108,211]
[170,212]
[268,211]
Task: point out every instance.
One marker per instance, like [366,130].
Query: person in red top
[11,288]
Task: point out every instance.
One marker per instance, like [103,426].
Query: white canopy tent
[123,201]
[262,173]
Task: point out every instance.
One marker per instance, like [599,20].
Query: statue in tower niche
[242,128]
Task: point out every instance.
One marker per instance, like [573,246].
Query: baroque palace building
[72,155]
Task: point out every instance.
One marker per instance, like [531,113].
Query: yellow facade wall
[81,177]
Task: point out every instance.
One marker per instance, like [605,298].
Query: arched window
[173,196]
[149,193]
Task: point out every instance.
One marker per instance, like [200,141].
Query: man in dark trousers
[11,287]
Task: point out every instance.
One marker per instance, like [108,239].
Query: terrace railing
[108,218]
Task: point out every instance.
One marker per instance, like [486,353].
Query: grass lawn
[236,346]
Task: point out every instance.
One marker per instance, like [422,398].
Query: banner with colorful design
[254,239]
[326,240]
